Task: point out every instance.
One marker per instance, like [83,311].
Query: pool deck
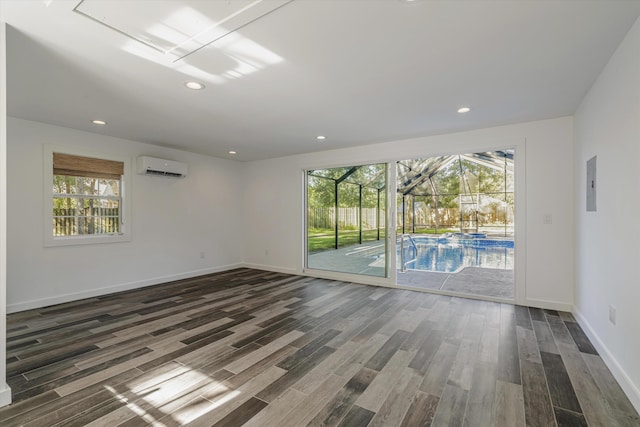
[365,259]
[357,259]
[489,282]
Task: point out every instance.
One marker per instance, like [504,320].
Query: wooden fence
[347,218]
[74,222]
[451,216]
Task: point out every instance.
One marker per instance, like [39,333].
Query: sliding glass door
[346,211]
[456,223]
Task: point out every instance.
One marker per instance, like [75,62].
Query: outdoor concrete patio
[368,259]
[490,282]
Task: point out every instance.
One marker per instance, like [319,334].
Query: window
[86,199]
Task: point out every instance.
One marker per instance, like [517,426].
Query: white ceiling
[357,71]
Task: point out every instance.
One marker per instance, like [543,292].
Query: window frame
[48,196]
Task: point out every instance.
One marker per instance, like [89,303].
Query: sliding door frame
[518,144]
[389,239]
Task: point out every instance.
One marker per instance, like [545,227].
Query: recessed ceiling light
[194,85]
[463,110]
[321,137]
[99,122]
[232,152]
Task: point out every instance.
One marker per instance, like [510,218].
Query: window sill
[86,240]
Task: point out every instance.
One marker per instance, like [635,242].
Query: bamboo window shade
[72,165]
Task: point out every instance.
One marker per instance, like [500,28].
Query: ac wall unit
[154,166]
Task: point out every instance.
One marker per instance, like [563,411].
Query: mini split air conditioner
[154,166]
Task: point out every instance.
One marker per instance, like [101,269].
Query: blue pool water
[451,254]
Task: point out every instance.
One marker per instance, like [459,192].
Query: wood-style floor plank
[508,407]
[395,407]
[421,411]
[618,402]
[562,393]
[538,408]
[256,348]
[450,408]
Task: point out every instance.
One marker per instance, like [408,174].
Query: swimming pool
[451,254]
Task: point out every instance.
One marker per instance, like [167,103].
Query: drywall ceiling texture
[274,188]
[174,220]
[607,125]
[358,71]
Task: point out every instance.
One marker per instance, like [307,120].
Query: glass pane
[447,179]
[456,223]
[345,219]
[321,216]
[74,216]
[63,184]
[334,173]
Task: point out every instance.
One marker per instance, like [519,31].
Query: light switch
[547,219]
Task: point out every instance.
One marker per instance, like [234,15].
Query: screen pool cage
[462,193]
[466,193]
[345,206]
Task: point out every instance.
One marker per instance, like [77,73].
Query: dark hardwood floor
[255,348]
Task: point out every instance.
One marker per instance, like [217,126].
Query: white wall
[607,125]
[5,391]
[274,191]
[173,220]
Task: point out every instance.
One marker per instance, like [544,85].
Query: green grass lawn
[323,239]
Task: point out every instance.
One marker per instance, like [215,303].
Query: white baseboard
[59,299]
[630,389]
[5,395]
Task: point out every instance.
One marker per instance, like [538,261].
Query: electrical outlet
[201,255]
[266,252]
[547,219]
[612,314]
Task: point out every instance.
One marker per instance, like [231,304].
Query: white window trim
[125,190]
